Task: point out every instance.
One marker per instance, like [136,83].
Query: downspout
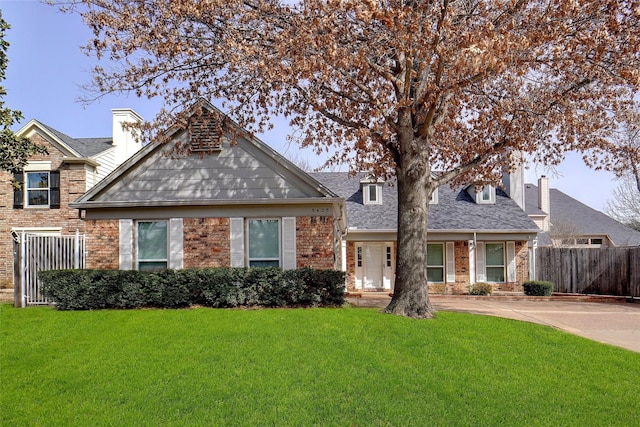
[475,259]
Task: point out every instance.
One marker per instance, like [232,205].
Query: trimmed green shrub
[481,288]
[211,287]
[538,288]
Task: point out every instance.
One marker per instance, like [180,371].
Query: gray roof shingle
[86,147]
[455,210]
[588,221]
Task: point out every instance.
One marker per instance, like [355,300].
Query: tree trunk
[410,295]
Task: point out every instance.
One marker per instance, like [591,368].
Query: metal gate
[33,253]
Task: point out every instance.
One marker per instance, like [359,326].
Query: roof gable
[588,221]
[71,147]
[243,169]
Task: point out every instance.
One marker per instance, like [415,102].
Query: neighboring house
[232,201]
[472,236]
[36,199]
[565,222]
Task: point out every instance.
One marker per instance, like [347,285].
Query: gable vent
[205,134]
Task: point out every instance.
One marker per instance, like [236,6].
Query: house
[473,236]
[49,183]
[565,222]
[229,200]
[232,201]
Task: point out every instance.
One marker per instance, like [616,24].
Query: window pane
[264,264]
[37,180]
[152,265]
[152,240]
[263,239]
[486,193]
[495,254]
[435,274]
[373,193]
[37,197]
[495,274]
[37,187]
[435,254]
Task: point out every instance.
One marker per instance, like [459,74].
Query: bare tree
[564,234]
[397,87]
[625,205]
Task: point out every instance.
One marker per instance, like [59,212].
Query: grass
[349,366]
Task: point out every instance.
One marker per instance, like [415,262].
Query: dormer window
[434,197]
[372,194]
[371,188]
[487,195]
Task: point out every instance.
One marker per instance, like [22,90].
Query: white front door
[373,266]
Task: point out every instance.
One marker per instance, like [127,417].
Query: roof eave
[203,202]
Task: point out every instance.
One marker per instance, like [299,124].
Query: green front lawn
[346,367]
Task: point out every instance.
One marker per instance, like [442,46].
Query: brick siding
[103,243]
[72,186]
[314,242]
[206,242]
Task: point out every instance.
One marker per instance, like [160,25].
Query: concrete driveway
[611,323]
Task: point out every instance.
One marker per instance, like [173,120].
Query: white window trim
[27,189]
[443,266]
[137,259]
[492,195]
[246,233]
[366,194]
[434,197]
[504,262]
[38,166]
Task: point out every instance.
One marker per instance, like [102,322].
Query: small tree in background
[625,205]
[396,87]
[14,150]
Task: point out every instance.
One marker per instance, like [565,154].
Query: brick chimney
[124,141]
[544,202]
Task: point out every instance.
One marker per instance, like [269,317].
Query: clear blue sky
[47,69]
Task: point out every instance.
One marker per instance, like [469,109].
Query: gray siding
[238,171]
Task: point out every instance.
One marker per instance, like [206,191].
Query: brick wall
[206,242]
[103,243]
[522,265]
[463,278]
[351,265]
[72,185]
[314,242]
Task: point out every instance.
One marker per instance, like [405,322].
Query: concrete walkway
[616,322]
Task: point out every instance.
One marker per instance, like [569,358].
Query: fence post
[23,268]
[76,258]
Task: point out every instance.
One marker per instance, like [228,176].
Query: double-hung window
[264,242]
[435,262]
[152,245]
[495,262]
[37,189]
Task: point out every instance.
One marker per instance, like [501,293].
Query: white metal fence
[36,253]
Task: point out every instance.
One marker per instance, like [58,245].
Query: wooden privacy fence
[605,271]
